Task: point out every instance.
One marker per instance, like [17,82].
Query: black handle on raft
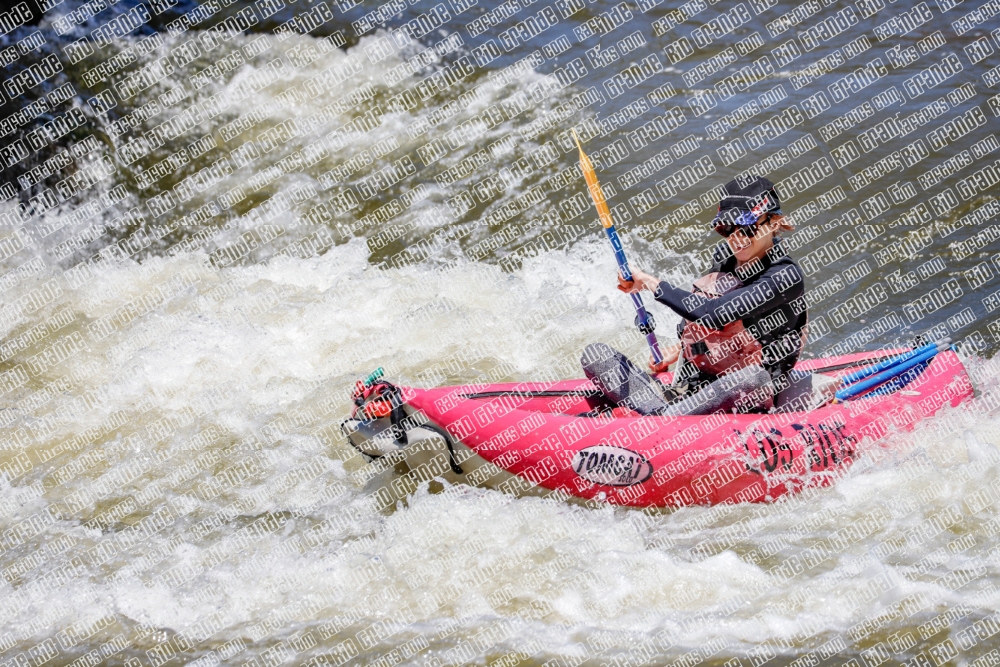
[397,415]
[452,461]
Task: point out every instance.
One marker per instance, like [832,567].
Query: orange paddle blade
[595,188]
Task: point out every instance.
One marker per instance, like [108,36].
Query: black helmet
[749,193]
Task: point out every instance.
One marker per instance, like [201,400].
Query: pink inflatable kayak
[564,438]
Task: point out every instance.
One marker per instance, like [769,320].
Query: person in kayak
[744,324]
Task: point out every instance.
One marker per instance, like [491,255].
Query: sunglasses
[731,220]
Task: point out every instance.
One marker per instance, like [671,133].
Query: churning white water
[175,485]
[184,487]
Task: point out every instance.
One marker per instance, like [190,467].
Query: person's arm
[778,286]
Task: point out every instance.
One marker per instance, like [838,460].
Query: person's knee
[618,377]
[596,352]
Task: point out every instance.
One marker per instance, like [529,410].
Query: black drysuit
[772,307]
[770,303]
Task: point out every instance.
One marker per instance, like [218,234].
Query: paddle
[850,364]
[894,371]
[888,363]
[642,319]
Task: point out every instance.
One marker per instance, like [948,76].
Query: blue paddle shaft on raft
[898,369]
[883,365]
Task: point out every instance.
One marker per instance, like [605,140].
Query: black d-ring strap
[452,460]
[396,417]
[396,414]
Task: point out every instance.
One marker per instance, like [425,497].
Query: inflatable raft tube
[565,439]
